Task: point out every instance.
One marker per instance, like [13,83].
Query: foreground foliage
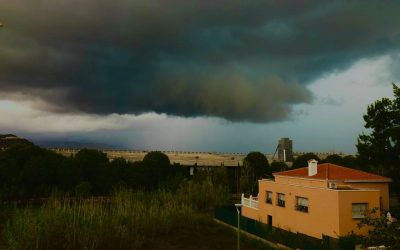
[381,231]
[126,220]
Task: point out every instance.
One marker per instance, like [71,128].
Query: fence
[251,202]
[273,234]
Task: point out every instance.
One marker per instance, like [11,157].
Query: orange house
[318,200]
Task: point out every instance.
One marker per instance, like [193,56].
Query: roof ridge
[288,171]
[360,171]
[331,171]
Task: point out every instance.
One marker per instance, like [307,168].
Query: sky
[225,76]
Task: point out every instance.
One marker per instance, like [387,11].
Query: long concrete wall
[184,158]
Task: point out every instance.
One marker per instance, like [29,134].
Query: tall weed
[125,220]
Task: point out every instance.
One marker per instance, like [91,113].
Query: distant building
[285,150]
[318,200]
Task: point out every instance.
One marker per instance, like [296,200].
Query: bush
[349,242]
[203,195]
[83,189]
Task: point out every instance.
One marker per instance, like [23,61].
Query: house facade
[318,200]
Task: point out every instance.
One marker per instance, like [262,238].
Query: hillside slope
[9,140]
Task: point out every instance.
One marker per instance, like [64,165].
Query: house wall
[301,181]
[322,217]
[329,211]
[383,187]
[346,197]
[252,213]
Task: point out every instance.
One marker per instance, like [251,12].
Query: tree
[379,150]
[381,231]
[350,161]
[40,174]
[334,159]
[278,166]
[29,171]
[157,158]
[255,167]
[95,168]
[157,168]
[302,160]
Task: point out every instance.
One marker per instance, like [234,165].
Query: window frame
[268,200]
[301,208]
[358,216]
[280,202]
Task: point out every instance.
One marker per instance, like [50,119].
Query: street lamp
[237,206]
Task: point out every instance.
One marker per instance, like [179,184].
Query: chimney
[312,167]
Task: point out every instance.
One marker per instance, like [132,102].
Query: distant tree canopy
[346,161]
[258,164]
[28,171]
[157,159]
[302,160]
[334,159]
[255,167]
[350,161]
[379,149]
[278,166]
[157,167]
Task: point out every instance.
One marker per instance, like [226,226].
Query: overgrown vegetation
[125,220]
[100,204]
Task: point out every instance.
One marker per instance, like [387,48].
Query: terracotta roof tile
[334,172]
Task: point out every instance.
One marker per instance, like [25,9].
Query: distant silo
[285,149]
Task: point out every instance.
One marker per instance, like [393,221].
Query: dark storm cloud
[238,60]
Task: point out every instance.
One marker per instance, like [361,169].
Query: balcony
[251,202]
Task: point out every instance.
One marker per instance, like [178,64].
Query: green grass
[130,220]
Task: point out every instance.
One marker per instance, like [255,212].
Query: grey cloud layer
[238,60]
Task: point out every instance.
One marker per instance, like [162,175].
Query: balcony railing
[251,202]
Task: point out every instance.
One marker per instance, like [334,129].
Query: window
[281,200]
[268,197]
[302,204]
[359,210]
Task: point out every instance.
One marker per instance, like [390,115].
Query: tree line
[28,171]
